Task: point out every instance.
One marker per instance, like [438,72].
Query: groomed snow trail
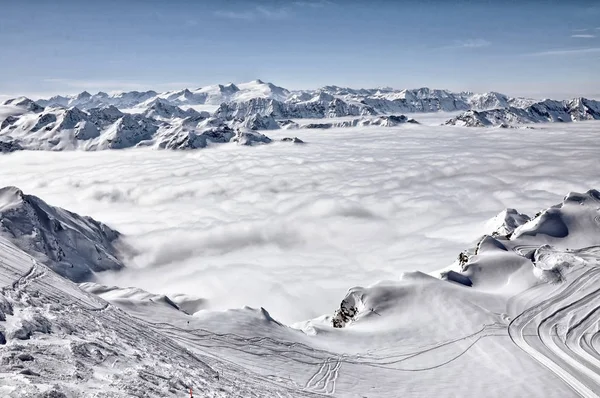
[562,331]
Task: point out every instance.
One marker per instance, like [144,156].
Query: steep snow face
[259,89]
[71,245]
[217,94]
[577,109]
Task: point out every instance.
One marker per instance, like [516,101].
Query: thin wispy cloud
[313,4]
[572,51]
[259,12]
[470,43]
[584,36]
[271,13]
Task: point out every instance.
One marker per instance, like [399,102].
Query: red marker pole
[191,394]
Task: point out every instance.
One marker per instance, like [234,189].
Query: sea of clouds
[292,227]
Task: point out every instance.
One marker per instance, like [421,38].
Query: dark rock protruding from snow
[7,145]
[243,137]
[72,245]
[294,140]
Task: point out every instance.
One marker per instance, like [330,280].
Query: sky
[526,48]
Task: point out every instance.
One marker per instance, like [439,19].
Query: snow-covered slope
[576,109]
[523,308]
[59,341]
[71,245]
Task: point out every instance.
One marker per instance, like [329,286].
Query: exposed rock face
[384,121]
[294,140]
[250,138]
[195,140]
[127,132]
[7,145]
[71,245]
[258,122]
[281,110]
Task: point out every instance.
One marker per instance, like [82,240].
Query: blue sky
[535,48]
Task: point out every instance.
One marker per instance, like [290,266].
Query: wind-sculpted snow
[577,109]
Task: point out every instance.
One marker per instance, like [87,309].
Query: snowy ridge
[73,246]
[577,109]
[530,301]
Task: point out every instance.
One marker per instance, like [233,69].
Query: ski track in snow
[540,331]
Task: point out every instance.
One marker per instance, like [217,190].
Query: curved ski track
[562,332]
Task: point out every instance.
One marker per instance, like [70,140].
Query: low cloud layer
[291,228]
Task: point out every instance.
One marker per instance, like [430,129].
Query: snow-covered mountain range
[577,109]
[328,101]
[179,119]
[521,304]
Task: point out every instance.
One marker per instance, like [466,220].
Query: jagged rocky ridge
[162,125]
[577,109]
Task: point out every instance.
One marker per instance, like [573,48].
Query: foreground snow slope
[58,341]
[531,315]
